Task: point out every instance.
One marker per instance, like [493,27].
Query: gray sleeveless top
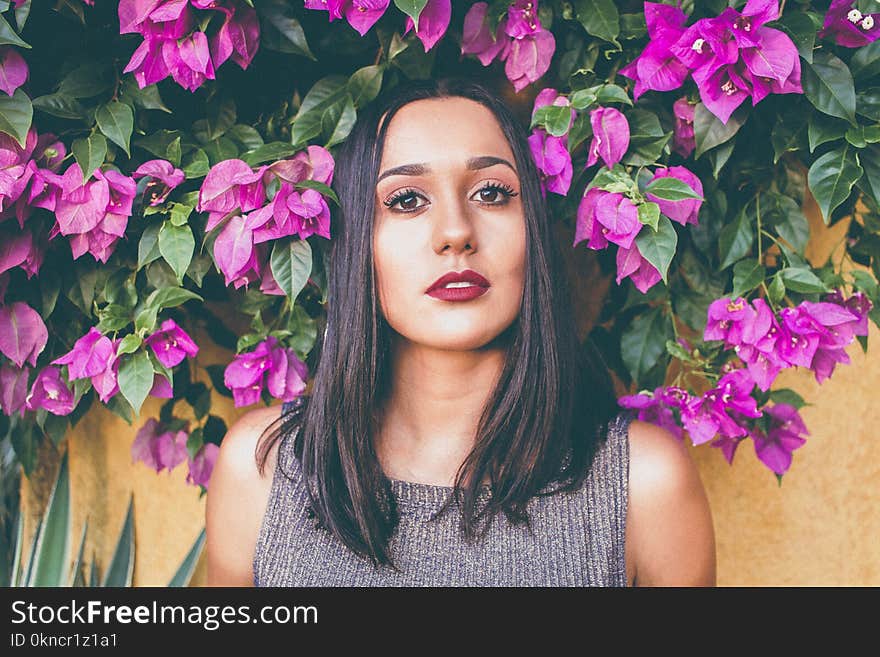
[577,537]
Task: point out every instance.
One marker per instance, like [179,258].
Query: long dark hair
[544,418]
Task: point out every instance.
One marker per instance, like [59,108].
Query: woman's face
[455,206]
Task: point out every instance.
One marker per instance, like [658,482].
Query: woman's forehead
[443,128]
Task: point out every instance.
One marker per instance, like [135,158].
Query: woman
[454,435]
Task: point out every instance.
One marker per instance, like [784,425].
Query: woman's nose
[453,225]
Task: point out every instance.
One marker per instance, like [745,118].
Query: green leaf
[16,114]
[802,280]
[776,288]
[221,117]
[747,275]
[52,548]
[802,31]
[148,247]
[555,119]
[710,132]
[599,18]
[365,83]
[644,342]
[63,107]
[326,190]
[146,98]
[647,138]
[669,188]
[135,378]
[822,128]
[828,84]
[337,121]
[291,263]
[274,150]
[790,132]
[187,567]
[735,239]
[790,223]
[870,182]
[323,94]
[865,63]
[412,8]
[584,98]
[245,136]
[284,33]
[9,37]
[90,153]
[119,572]
[611,93]
[88,80]
[195,163]
[164,144]
[658,247]
[788,396]
[831,179]
[176,244]
[116,121]
[129,344]
[649,214]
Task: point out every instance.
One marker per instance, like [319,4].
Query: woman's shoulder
[669,532]
[238,494]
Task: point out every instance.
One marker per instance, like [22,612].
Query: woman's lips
[458,293]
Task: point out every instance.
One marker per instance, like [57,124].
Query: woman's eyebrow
[474,163]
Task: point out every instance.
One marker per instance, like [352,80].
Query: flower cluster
[162,177]
[605,216]
[363,14]
[162,447]
[812,334]
[13,70]
[848,26]
[268,364]
[175,44]
[726,413]
[519,40]
[232,189]
[730,57]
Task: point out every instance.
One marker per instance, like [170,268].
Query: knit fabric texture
[576,539]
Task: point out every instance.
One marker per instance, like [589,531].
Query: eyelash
[506,190]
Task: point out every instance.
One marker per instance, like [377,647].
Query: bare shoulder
[236,500]
[670,538]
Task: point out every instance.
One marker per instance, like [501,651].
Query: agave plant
[48,560]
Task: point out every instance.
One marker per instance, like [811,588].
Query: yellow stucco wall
[822,527]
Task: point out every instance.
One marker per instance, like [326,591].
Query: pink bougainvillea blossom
[159,447]
[23,334]
[519,40]
[202,465]
[657,68]
[433,22]
[657,407]
[610,136]
[171,344]
[631,263]
[722,409]
[51,392]
[13,388]
[849,27]
[13,70]
[553,161]
[774,449]
[162,176]
[683,137]
[268,364]
[94,357]
[174,43]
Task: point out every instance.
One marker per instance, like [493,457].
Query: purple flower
[230,185]
[23,333]
[522,19]
[553,161]
[268,364]
[529,58]
[433,22]
[725,320]
[13,388]
[656,68]
[90,355]
[610,136]
[202,465]
[705,417]
[171,344]
[631,262]
[238,37]
[51,392]
[158,447]
[759,332]
[619,217]
[848,26]
[13,70]
[163,178]
[683,139]
[784,436]
[477,40]
[363,14]
[656,407]
[686,210]
[586,227]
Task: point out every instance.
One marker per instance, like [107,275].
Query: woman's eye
[407,200]
[494,194]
